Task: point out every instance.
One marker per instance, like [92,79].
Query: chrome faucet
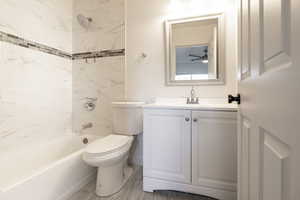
[192,99]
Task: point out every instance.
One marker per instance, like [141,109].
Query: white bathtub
[51,171]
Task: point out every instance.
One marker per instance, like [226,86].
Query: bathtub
[51,171]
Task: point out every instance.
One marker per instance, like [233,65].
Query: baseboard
[151,184]
[76,187]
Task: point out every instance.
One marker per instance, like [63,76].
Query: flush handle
[232,99]
[187,119]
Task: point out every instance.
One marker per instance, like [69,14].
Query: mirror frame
[221,62]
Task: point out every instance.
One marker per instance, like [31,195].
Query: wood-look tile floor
[133,190]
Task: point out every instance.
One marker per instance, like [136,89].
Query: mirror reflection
[194,50]
[192,62]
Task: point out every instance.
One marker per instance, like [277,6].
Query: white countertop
[128,103]
[204,104]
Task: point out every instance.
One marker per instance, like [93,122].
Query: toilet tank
[127,118]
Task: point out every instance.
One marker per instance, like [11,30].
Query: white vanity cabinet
[191,150]
[214,149]
[167,145]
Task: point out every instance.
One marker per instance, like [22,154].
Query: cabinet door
[167,144]
[214,149]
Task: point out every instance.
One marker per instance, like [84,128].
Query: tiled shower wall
[35,88]
[106,29]
[100,79]
[103,82]
[40,93]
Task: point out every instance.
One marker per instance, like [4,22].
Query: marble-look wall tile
[21,42]
[35,87]
[98,25]
[102,81]
[35,96]
[40,94]
[44,21]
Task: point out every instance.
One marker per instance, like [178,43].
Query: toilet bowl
[109,155]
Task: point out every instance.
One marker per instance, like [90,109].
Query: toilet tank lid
[128,103]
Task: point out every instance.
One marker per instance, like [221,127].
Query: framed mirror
[195,51]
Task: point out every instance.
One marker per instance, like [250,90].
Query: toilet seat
[108,145]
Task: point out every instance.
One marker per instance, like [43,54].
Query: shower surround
[102,27]
[51,65]
[35,87]
[50,61]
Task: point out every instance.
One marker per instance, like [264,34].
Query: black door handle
[232,99]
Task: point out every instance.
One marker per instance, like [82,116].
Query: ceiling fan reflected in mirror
[202,58]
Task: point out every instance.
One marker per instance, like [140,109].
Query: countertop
[204,104]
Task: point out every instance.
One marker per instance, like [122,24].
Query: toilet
[110,154]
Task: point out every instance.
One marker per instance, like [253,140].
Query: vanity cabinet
[214,147]
[191,151]
[167,146]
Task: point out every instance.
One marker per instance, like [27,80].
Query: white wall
[191,35]
[145,78]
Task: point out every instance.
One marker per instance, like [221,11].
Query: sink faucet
[192,99]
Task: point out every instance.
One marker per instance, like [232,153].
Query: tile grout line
[13,39]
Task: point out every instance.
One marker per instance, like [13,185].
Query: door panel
[167,144]
[275,19]
[270,95]
[275,164]
[243,155]
[214,147]
[244,34]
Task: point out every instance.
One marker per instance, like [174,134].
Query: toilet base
[111,179]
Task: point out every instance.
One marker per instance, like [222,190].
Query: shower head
[84,21]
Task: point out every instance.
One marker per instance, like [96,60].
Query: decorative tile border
[99,54]
[6,37]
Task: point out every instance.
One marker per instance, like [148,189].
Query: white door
[167,144]
[214,150]
[269,115]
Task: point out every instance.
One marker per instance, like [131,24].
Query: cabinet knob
[195,120]
[187,119]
